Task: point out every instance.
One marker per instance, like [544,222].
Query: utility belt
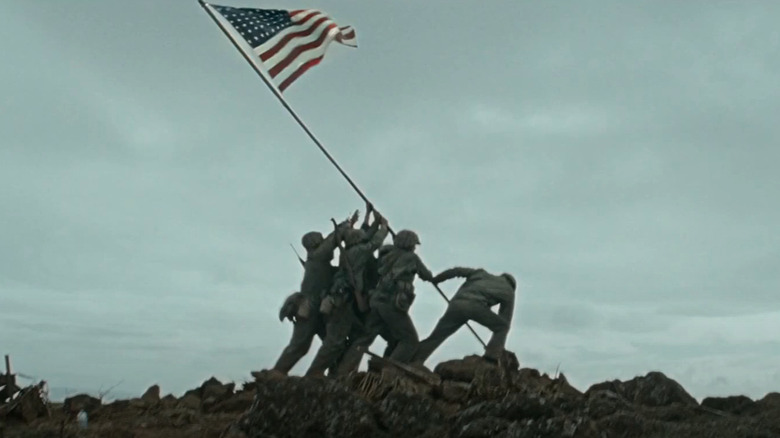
[400,293]
[338,296]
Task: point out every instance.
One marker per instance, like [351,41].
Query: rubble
[468,398]
[25,404]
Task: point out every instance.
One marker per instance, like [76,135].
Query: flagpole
[279,96]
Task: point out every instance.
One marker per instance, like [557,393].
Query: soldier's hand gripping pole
[484,345]
[467,324]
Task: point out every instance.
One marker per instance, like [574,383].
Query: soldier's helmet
[509,278]
[353,236]
[312,240]
[406,239]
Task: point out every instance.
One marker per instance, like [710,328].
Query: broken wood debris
[26,403]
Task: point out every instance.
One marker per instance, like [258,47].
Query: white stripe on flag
[306,57]
[284,33]
[295,43]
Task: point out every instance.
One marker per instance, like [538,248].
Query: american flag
[287,42]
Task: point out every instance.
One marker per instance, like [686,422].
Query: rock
[408,415]
[302,407]
[89,404]
[515,406]
[602,402]
[236,404]
[654,389]
[190,401]
[454,391]
[152,395]
[486,427]
[218,392]
[735,404]
[168,401]
[770,403]
[138,403]
[462,370]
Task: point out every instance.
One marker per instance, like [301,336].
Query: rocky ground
[467,398]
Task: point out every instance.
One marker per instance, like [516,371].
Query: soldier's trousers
[457,314]
[383,318]
[341,321]
[303,333]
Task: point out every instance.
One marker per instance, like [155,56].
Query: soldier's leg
[371,328]
[390,340]
[402,329]
[302,335]
[454,317]
[339,324]
[482,315]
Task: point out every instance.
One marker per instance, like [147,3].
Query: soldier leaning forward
[339,303]
[390,302]
[473,300]
[303,307]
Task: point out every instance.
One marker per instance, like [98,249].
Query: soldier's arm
[369,209]
[330,243]
[378,237]
[452,273]
[423,272]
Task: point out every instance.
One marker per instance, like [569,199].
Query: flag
[287,42]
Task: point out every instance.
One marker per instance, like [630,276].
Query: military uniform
[317,278]
[343,319]
[390,302]
[473,301]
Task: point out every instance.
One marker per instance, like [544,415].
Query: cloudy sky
[619,158]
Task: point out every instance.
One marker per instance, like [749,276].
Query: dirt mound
[468,398]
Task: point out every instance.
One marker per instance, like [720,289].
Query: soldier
[303,307]
[340,302]
[390,302]
[473,301]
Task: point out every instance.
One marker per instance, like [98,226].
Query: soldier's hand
[354,217]
[369,208]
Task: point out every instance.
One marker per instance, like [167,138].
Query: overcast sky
[619,158]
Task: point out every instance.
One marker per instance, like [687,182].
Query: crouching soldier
[481,291]
[303,307]
[390,302]
[342,303]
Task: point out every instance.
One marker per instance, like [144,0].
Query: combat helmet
[312,240]
[406,239]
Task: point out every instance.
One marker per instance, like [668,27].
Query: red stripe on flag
[300,49]
[301,70]
[280,45]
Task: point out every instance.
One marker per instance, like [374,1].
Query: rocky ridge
[465,398]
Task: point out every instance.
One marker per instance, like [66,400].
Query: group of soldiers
[369,294]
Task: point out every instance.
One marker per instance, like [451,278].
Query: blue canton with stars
[256,25]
